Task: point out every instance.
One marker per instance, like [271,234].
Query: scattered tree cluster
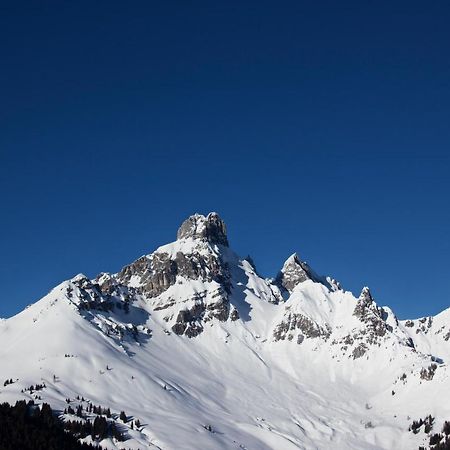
[98,410]
[440,441]
[417,424]
[36,387]
[7,382]
[98,429]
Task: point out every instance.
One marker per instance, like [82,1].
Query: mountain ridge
[198,328]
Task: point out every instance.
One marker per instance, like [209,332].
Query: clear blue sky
[316,127]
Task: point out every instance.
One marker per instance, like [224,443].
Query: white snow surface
[255,392]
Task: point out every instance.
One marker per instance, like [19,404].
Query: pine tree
[446,428]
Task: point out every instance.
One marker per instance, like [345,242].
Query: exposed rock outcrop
[370,314]
[300,323]
[210,228]
[154,274]
[294,272]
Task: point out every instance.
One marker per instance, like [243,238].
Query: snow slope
[206,353]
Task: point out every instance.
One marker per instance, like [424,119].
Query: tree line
[27,426]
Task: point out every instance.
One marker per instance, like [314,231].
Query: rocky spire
[365,304]
[366,295]
[369,313]
[210,228]
[294,272]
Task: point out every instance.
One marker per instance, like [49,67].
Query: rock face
[195,280]
[195,256]
[155,273]
[301,325]
[91,295]
[294,272]
[210,228]
[370,314]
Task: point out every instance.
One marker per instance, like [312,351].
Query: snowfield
[207,354]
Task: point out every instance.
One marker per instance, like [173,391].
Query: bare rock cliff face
[301,327]
[373,316]
[294,272]
[202,261]
[210,228]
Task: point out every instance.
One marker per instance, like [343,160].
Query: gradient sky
[316,127]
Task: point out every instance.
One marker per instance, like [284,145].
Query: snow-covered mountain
[200,351]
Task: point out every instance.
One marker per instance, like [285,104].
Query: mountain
[199,351]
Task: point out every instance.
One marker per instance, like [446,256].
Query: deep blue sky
[317,127]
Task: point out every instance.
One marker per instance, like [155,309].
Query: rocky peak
[179,264]
[366,295]
[155,273]
[210,228]
[366,304]
[294,272]
[369,313]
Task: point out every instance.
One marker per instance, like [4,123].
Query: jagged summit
[366,294]
[293,273]
[210,228]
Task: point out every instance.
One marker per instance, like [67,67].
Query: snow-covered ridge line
[193,342]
